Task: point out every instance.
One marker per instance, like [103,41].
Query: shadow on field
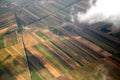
[11,68]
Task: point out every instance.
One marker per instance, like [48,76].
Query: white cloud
[102,10]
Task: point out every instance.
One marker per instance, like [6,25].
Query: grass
[64,51]
[52,58]
[42,36]
[82,51]
[11,38]
[42,74]
[99,43]
[1,41]
[34,74]
[37,66]
[46,74]
[77,75]
[4,52]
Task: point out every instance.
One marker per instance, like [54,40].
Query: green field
[52,58]
[99,43]
[1,41]
[11,38]
[42,35]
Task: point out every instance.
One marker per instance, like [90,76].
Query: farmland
[1,41]
[13,62]
[40,41]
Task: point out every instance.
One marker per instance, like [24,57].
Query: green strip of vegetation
[99,43]
[77,75]
[1,41]
[70,55]
[11,38]
[34,74]
[82,51]
[52,58]
[42,35]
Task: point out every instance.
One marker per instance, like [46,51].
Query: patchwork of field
[55,46]
[67,56]
[13,64]
[7,19]
[7,25]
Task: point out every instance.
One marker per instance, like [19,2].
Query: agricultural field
[7,19]
[1,42]
[13,64]
[10,39]
[42,40]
